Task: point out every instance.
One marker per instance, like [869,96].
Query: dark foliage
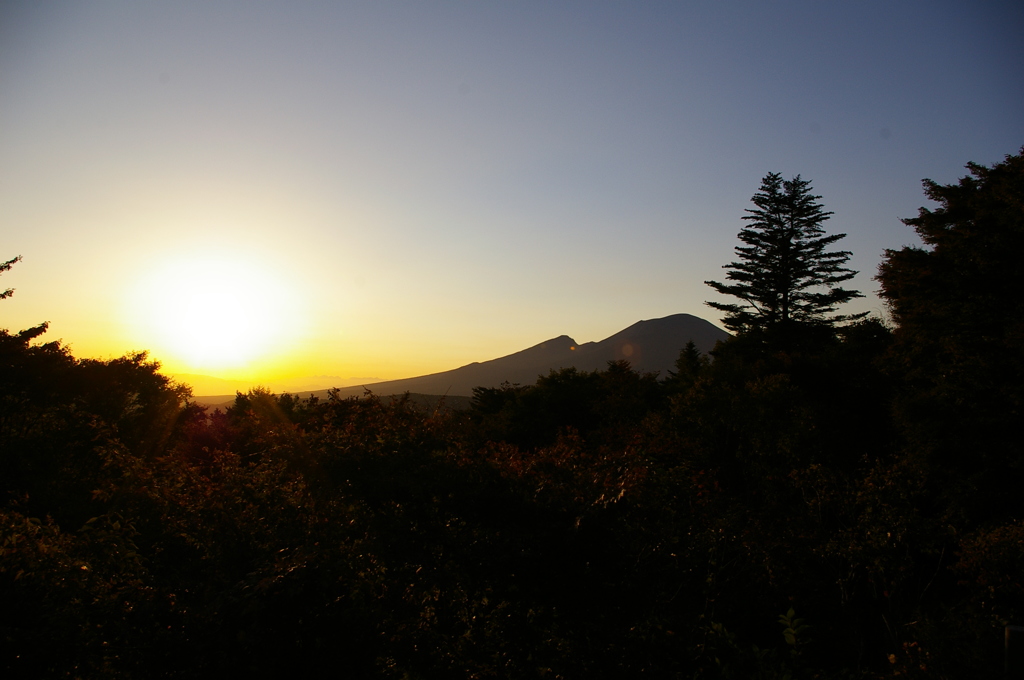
[959,337]
[600,405]
[6,266]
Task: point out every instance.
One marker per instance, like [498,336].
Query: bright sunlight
[214,312]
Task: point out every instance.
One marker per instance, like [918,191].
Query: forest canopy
[841,508]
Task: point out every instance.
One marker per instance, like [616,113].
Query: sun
[214,312]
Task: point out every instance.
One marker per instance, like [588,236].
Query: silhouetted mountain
[649,346]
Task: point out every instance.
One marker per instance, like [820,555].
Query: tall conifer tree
[785,275]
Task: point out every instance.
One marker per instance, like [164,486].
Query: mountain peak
[651,345]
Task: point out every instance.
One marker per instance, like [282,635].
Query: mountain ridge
[650,345]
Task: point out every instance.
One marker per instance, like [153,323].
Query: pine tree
[690,365]
[785,276]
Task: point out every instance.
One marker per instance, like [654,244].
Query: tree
[958,340]
[966,285]
[689,366]
[6,266]
[29,333]
[784,265]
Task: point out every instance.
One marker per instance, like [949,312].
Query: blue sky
[439,183]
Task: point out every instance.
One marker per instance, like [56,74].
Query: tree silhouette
[6,266]
[784,265]
[29,333]
[957,306]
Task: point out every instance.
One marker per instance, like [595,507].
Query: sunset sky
[268,190]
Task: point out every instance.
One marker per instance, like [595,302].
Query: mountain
[649,346]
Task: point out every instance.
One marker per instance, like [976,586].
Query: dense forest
[821,497]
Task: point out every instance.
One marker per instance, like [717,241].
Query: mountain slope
[649,346]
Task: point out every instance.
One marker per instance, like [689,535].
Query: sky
[266,191]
